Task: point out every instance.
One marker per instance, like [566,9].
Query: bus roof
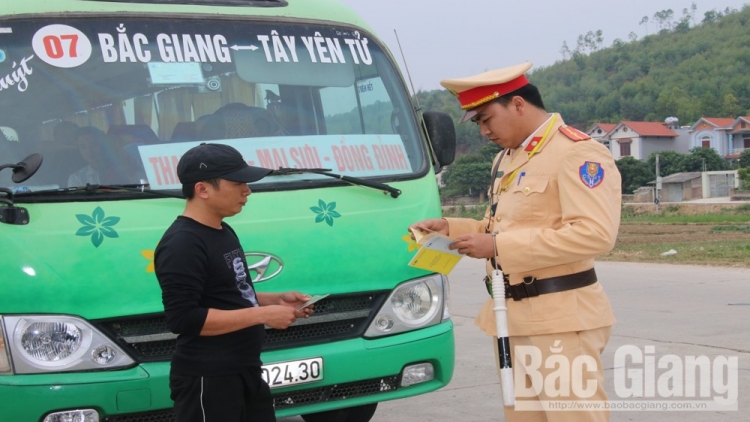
[320,10]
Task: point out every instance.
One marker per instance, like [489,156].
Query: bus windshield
[117,101]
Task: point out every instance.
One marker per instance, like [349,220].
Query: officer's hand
[434,224]
[475,245]
[279,316]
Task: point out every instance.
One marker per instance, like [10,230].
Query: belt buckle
[529,286]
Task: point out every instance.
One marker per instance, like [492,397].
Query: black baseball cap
[209,161]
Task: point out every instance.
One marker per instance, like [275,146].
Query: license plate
[294,372]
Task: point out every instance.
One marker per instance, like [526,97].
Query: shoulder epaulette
[573,133]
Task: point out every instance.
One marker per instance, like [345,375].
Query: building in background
[639,139]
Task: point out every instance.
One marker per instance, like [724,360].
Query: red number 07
[54,47]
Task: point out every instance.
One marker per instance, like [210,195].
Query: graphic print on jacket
[236,262]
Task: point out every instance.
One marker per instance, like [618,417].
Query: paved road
[680,310]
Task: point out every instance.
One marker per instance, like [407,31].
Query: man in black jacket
[209,298]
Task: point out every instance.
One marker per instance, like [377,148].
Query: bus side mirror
[26,168]
[441,134]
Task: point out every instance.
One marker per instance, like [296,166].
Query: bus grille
[147,339]
[288,400]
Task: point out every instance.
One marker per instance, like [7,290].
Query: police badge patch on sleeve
[592,174]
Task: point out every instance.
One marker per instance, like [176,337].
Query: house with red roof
[599,131]
[719,133]
[739,137]
[639,139]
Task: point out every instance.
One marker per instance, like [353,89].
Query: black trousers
[243,397]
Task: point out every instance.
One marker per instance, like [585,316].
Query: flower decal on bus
[413,245]
[325,212]
[149,255]
[97,226]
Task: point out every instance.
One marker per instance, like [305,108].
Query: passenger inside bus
[236,120]
[65,134]
[103,165]
[127,139]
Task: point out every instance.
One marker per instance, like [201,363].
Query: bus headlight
[412,305]
[59,343]
[50,341]
[416,302]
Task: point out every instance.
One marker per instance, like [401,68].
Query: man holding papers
[209,299]
[555,205]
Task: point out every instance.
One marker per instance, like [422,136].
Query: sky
[444,39]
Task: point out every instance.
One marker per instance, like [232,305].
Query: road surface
[679,310]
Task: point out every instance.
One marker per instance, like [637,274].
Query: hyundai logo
[263,266]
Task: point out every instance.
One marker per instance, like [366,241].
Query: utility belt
[532,287]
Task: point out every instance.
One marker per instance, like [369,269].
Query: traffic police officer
[555,205]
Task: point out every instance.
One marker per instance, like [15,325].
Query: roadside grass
[729,253]
[719,237]
[675,214]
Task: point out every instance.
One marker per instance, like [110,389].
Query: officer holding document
[554,206]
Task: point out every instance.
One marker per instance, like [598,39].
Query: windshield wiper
[283,171]
[135,188]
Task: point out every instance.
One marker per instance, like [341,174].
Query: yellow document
[433,253]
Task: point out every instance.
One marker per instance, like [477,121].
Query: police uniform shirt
[560,210]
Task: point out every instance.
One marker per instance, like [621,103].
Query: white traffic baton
[503,341]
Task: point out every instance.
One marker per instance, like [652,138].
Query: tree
[565,50]
[634,173]
[670,162]
[709,105]
[730,106]
[744,171]
[688,15]
[644,21]
[745,159]
[598,38]
[489,150]
[664,18]
[671,102]
[712,16]
[744,174]
[468,175]
[707,159]
[648,78]
[683,25]
[693,10]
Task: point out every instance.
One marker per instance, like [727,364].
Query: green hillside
[685,70]
[682,72]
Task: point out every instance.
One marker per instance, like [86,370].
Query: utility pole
[658,184]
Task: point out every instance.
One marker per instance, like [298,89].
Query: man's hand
[475,245]
[288,299]
[434,224]
[278,316]
[294,300]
